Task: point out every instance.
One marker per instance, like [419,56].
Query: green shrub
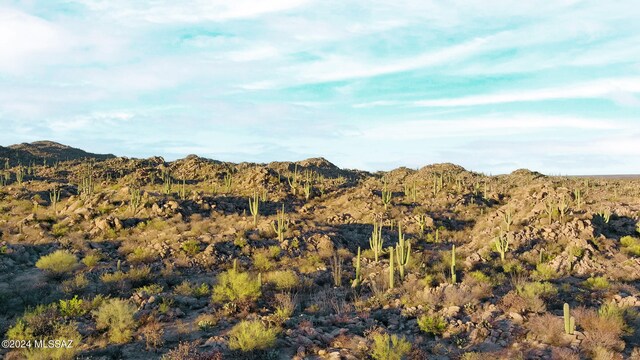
[57,263]
[116,316]
[536,288]
[512,267]
[191,247]
[134,275]
[141,255]
[630,245]
[251,335]
[153,289]
[59,230]
[91,260]
[262,262]
[117,276]
[434,325]
[274,251]
[544,272]
[597,283]
[72,307]
[236,286]
[206,321]
[43,323]
[389,347]
[186,288]
[283,279]
[480,277]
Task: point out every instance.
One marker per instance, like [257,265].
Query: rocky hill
[203,259]
[39,151]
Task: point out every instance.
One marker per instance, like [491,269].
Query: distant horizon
[237,161]
[489,85]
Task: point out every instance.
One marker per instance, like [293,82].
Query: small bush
[544,272]
[189,350]
[251,335]
[91,260]
[480,277]
[153,289]
[201,290]
[597,283]
[549,329]
[141,255]
[236,286]
[59,230]
[43,323]
[518,303]
[191,247]
[602,329]
[206,321]
[530,290]
[630,245]
[435,325]
[116,315]
[136,276]
[153,333]
[389,347]
[262,262]
[57,263]
[186,288]
[74,284]
[285,306]
[283,280]
[72,307]
[274,251]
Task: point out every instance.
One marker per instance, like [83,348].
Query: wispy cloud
[364,83]
[191,11]
[482,126]
[606,88]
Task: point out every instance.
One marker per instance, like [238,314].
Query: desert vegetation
[202,259]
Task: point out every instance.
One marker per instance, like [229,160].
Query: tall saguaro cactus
[403,251]
[358,279]
[54,198]
[386,196]
[453,264]
[281,225]
[391,271]
[502,244]
[375,241]
[254,204]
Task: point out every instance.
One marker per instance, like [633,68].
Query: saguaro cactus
[577,194]
[391,272]
[254,205]
[386,196]
[281,225]
[403,251]
[562,208]
[569,321]
[507,219]
[453,264]
[54,197]
[375,241]
[358,279]
[502,244]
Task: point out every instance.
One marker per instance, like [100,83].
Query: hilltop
[39,151]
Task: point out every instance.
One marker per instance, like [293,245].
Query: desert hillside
[203,259]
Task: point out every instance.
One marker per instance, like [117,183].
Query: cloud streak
[364,83]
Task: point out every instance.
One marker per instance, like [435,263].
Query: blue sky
[494,86]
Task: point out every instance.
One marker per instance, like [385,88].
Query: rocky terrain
[202,259]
